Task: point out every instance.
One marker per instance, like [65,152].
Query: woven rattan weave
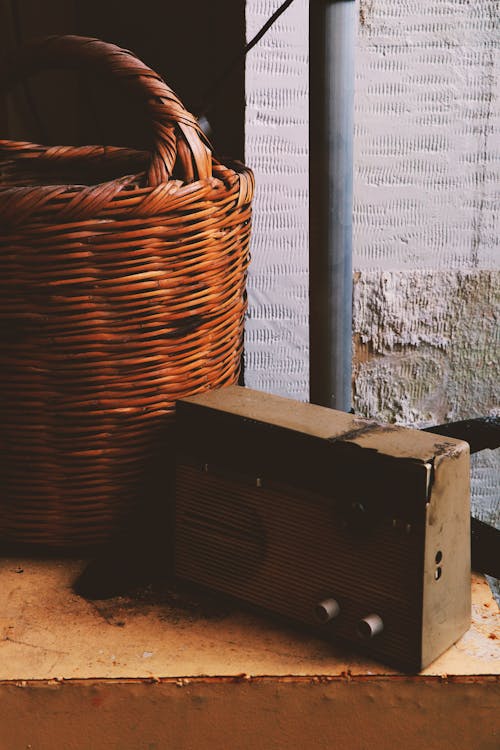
[122,288]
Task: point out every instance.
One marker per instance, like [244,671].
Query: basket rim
[177,136]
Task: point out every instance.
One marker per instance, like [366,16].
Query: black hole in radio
[439,557]
[326,610]
[369,627]
[364,630]
[437,574]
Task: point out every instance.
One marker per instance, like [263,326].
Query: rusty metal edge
[181,681]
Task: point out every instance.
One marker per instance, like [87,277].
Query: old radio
[357,529]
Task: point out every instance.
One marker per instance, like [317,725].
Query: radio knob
[370,626]
[326,610]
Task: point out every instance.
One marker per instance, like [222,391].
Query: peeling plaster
[428,345]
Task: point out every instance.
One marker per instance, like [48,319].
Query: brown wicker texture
[118,295]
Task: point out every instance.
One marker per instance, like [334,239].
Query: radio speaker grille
[286,554]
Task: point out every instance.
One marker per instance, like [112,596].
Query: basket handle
[177,137]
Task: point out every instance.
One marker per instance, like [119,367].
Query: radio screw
[326,610]
[358,507]
[369,627]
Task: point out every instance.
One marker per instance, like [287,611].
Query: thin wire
[214,91]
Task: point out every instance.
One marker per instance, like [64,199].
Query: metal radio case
[356,529]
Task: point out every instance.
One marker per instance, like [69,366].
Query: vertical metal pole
[331,107]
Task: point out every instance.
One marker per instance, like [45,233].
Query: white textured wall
[277,149]
[426,113]
[426,256]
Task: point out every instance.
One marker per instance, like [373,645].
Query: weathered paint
[275,714]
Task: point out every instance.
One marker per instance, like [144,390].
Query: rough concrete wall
[426,344]
[426,231]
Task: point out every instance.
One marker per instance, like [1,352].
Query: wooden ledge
[47,633]
[155,673]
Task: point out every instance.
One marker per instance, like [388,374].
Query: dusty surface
[47,632]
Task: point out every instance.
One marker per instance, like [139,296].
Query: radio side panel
[447,568]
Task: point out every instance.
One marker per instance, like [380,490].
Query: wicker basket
[118,295]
